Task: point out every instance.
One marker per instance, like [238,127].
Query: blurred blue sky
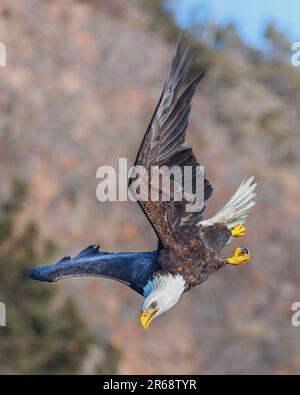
[250,17]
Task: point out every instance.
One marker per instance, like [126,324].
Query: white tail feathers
[237,209]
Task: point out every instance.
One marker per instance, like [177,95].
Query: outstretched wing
[131,268]
[164,145]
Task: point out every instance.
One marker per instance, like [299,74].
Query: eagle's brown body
[195,259]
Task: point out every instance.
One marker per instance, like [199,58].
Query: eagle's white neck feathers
[164,291]
[168,282]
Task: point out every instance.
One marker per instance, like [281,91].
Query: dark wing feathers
[131,268]
[90,251]
[164,145]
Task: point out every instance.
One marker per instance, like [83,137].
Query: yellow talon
[241,256]
[238,230]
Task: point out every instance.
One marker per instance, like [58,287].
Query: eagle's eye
[153,305]
[242,253]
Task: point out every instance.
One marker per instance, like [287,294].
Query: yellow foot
[241,256]
[238,230]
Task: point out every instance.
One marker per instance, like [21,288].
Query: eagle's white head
[161,293]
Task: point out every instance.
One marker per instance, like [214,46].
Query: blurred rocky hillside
[81,82]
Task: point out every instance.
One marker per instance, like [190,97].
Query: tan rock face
[79,88]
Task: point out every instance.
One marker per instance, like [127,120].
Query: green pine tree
[37,338]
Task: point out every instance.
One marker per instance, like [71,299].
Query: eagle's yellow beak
[147,318]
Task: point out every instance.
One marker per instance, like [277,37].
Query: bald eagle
[189,247]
